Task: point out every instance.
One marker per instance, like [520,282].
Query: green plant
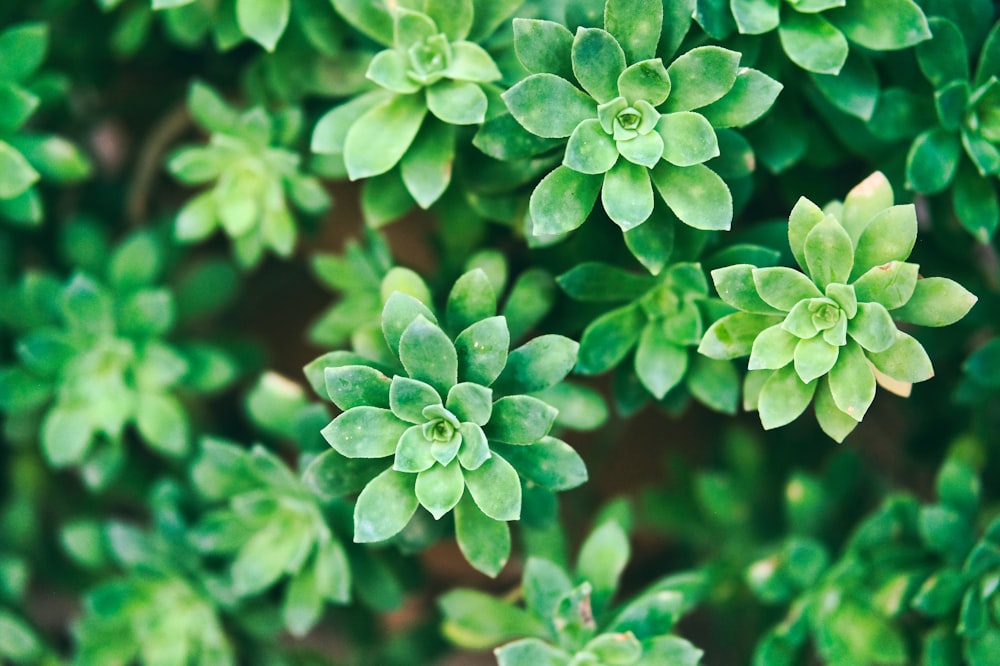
[424,397]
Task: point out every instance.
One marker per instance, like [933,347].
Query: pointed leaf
[484,542]
[813,43]
[607,339]
[482,351]
[538,364]
[496,489]
[378,139]
[636,25]
[384,507]
[890,236]
[263,20]
[835,423]
[356,385]
[550,462]
[457,102]
[598,60]
[732,336]
[783,398]
[782,287]
[590,149]
[429,355]
[548,105]
[882,25]
[365,432]
[543,46]
[829,253]
[627,195]
[688,138]
[852,383]
[696,195]
[701,76]
[751,96]
[891,284]
[936,301]
[520,419]
[427,165]
[872,327]
[659,363]
[562,201]
[439,488]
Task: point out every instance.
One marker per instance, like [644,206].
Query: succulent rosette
[451,419]
[830,332]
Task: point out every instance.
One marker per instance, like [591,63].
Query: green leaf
[855,89]
[331,475]
[549,462]
[470,300]
[782,287]
[264,557]
[530,652]
[882,25]
[714,383]
[371,18]
[735,286]
[548,105]
[975,202]
[389,69]
[607,339]
[453,18]
[701,76]
[529,301]
[429,355]
[263,20]
[520,419]
[983,365]
[543,584]
[645,80]
[427,165]
[594,281]
[688,138]
[470,403]
[408,398]
[365,432]
[496,488]
[590,149]
[733,335]
[22,50]
[643,149]
[804,216]
[627,194]
[66,435]
[755,17]
[562,201]
[772,349]
[936,301]
[873,327]
[471,62]
[867,199]
[659,363]
[890,284]
[384,507]
[814,357]
[932,160]
[852,383]
[598,60]
[16,175]
[835,423]
[163,423]
[636,25]
[413,452]
[457,102]
[482,351]
[543,46]
[53,157]
[602,559]
[751,96]
[696,195]
[813,43]
[538,364]
[905,360]
[783,397]
[439,488]
[486,544]
[16,106]
[399,312]
[476,620]
[370,148]
[829,253]
[356,385]
[330,133]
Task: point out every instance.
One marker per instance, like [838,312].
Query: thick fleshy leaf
[520,419]
[408,398]
[595,281]
[544,584]
[774,348]
[378,139]
[755,17]
[365,432]
[782,287]
[16,175]
[872,327]
[608,338]
[688,138]
[427,165]
[429,355]
[936,301]
[714,383]
[496,488]
[603,556]
[627,195]
[22,50]
[389,69]
[401,310]
[813,43]
[732,336]
[484,542]
[413,453]
[439,488]
[548,105]
[598,60]
[66,435]
[590,149]
[550,462]
[804,216]
[659,363]
[471,299]
[475,448]
[835,423]
[814,357]
[751,96]
[384,507]
[482,351]
[457,102]
[829,253]
[636,25]
[543,46]
[538,364]
[453,18]
[563,200]
[330,133]
[163,423]
[470,403]
[866,200]
[356,385]
[644,150]
[263,20]
[652,242]
[736,287]
[471,62]
[783,397]
[701,76]
[882,25]
[890,284]
[890,236]
[855,89]
[932,161]
[696,195]
[645,80]
[976,206]
[852,382]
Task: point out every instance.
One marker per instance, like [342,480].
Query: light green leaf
[549,462]
[598,61]
[872,327]
[520,419]
[163,423]
[16,175]
[485,543]
[608,338]
[330,133]
[813,43]
[603,556]
[530,652]
[645,80]
[590,149]
[548,105]
[482,351]
[755,17]
[470,403]
[471,299]
[936,301]
[453,18]
[378,139]
[814,357]
[457,102]
[751,96]
[636,25]
[627,195]
[543,46]
[401,310]
[562,201]
[384,507]
[659,363]
[882,25]
[736,287]
[866,200]
[783,397]
[66,435]
[701,76]
[439,488]
[732,336]
[643,149]
[696,195]
[389,69]
[782,287]
[408,398]
[772,349]
[263,20]
[496,488]
[413,452]
[835,423]
[538,364]
[891,284]
[829,253]
[688,138]
[429,355]
[471,62]
[365,432]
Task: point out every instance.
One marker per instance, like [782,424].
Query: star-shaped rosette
[453,420]
[830,332]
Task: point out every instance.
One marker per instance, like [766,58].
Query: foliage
[369,421]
